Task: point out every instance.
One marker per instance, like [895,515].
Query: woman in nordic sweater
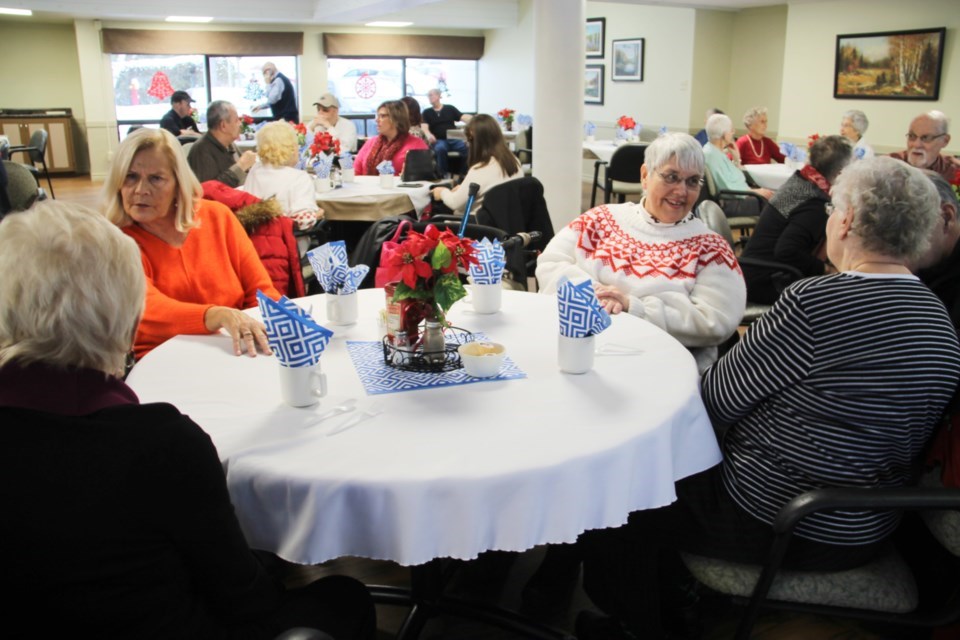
[655,259]
[200,265]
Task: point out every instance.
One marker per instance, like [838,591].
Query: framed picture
[596,28]
[627,60]
[593,84]
[894,65]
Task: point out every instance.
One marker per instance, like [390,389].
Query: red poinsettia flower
[323,142]
[506,114]
[247,120]
[300,128]
[460,250]
[811,139]
[626,122]
[408,263]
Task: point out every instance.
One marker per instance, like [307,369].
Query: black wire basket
[414,358]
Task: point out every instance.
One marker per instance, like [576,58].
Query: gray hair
[939,118]
[718,125]
[189,191]
[73,289]
[752,114]
[680,146]
[858,120]
[895,206]
[948,197]
[829,155]
[217,112]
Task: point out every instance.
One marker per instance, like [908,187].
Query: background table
[602,149]
[364,200]
[770,176]
[445,472]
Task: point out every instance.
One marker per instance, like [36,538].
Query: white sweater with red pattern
[682,277]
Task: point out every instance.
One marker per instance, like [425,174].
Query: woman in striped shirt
[839,385]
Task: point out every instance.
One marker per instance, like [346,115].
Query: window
[361,84]
[142,84]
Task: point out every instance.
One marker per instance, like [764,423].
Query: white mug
[346,175]
[575,355]
[386,181]
[342,309]
[486,297]
[591,138]
[302,386]
[321,185]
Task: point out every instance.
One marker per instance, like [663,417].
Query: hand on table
[612,299]
[245,331]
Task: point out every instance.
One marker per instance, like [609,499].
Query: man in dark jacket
[178,120]
[281,97]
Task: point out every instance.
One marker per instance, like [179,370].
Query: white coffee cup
[321,185]
[302,386]
[575,355]
[342,309]
[486,297]
[386,181]
[591,138]
[346,175]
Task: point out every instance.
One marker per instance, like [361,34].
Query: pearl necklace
[755,152]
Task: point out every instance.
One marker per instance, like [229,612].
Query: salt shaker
[434,347]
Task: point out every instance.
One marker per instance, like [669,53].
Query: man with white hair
[926,138]
[281,98]
[439,118]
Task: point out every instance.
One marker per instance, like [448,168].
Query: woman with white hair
[655,259]
[864,361]
[853,125]
[755,147]
[274,175]
[725,173]
[118,512]
[200,265]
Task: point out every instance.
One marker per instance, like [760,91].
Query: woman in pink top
[393,125]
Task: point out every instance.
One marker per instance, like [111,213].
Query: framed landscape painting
[894,65]
[594,37]
[593,84]
[627,60]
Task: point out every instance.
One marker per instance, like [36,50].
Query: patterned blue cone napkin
[492,260]
[786,148]
[346,160]
[296,340]
[524,120]
[329,262]
[323,165]
[385,168]
[581,314]
[589,129]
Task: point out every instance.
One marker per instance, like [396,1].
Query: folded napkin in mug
[491,259]
[589,129]
[323,165]
[346,161]
[385,168]
[329,262]
[581,314]
[296,339]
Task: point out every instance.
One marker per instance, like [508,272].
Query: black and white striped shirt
[839,385]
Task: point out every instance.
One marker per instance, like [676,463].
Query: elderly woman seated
[853,125]
[200,265]
[865,361]
[725,173]
[118,512]
[274,175]
[755,147]
[656,259]
[792,227]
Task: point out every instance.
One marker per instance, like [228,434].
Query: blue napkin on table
[524,120]
[385,168]
[787,148]
[663,130]
[491,258]
[581,314]
[637,129]
[329,262]
[622,133]
[589,129]
[296,340]
[323,165]
[346,160]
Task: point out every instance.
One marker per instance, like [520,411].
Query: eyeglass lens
[693,182]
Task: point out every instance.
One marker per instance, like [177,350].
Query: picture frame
[627,60]
[890,65]
[593,84]
[594,37]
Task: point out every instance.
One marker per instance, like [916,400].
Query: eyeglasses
[926,139]
[383,116]
[693,182]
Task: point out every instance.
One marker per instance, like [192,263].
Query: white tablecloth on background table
[602,149]
[445,472]
[364,199]
[770,176]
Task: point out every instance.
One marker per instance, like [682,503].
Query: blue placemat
[378,377]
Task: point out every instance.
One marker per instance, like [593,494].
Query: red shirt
[768,149]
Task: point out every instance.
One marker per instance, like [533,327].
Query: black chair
[419,165]
[36,151]
[621,175]
[524,150]
[884,591]
[729,199]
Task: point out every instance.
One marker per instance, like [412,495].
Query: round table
[450,471]
[364,200]
[770,176]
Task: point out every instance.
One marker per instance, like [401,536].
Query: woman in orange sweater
[201,267]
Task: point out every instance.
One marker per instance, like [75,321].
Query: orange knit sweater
[216,266]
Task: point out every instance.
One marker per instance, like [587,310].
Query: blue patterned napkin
[323,165]
[663,130]
[581,314]
[492,260]
[346,160]
[296,340]
[637,129]
[385,168]
[524,120]
[589,129]
[787,148]
[622,133]
[329,262]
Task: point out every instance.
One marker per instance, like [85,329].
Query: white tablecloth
[770,176]
[446,472]
[602,149]
[365,199]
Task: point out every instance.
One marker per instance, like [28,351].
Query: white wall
[756,64]
[807,102]
[505,73]
[712,49]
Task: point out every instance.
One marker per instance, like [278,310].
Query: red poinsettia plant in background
[506,115]
[323,142]
[627,123]
[425,267]
[246,124]
[301,130]
[811,140]
[955,183]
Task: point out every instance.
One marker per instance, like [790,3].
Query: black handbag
[420,164]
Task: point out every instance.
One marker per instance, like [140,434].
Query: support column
[96,81]
[558,32]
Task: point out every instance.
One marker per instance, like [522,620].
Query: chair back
[22,187]
[518,206]
[420,164]
[38,144]
[525,146]
[714,217]
[711,183]
[625,164]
